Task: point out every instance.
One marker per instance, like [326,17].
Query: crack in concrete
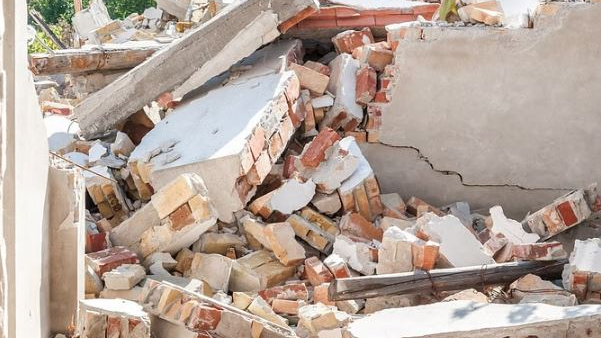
[424,158]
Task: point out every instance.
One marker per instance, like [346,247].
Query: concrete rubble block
[283,243]
[184,260]
[469,295]
[242,300]
[318,317]
[328,204]
[106,194]
[317,272]
[403,224]
[565,212]
[286,307]
[131,294]
[214,269]
[122,145]
[257,271]
[337,266]
[318,67]
[260,308]
[236,156]
[124,277]
[311,233]
[394,255]
[358,255]
[292,195]
[376,304]
[487,12]
[353,224]
[511,229]
[164,259]
[532,289]
[347,41]
[108,259]
[365,89]
[360,192]
[345,114]
[129,232]
[324,101]
[295,291]
[376,55]
[176,193]
[339,166]
[100,318]
[458,246]
[546,251]
[256,230]
[310,79]
[480,320]
[219,243]
[582,274]
[393,205]
[93,283]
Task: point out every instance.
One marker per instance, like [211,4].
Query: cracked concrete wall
[516,109]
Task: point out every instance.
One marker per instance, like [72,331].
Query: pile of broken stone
[237,213]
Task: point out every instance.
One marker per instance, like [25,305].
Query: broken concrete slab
[582,275]
[457,245]
[236,156]
[512,230]
[479,320]
[233,34]
[328,204]
[213,269]
[358,255]
[257,271]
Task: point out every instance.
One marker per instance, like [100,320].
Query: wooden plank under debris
[234,33]
[439,280]
[73,61]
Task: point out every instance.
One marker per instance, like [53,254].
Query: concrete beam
[211,49]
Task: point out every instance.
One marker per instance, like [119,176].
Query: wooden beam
[73,61]
[205,52]
[439,280]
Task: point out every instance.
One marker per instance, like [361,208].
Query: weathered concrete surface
[499,107]
[478,320]
[403,171]
[66,216]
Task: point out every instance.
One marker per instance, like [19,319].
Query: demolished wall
[506,123]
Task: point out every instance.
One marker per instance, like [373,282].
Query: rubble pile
[238,210]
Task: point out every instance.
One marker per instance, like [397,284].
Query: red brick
[325,12]
[317,272]
[289,167]
[289,307]
[181,217]
[95,242]
[318,67]
[356,225]
[108,259]
[317,23]
[365,89]
[381,97]
[166,100]
[538,251]
[204,317]
[567,213]
[320,295]
[316,150]
[424,256]
[346,12]
[360,136]
[257,142]
[296,291]
[347,41]
[383,20]
[355,21]
[113,327]
[426,9]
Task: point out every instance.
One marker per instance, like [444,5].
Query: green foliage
[37,47]
[55,10]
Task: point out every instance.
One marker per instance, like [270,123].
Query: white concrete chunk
[124,277]
[512,230]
